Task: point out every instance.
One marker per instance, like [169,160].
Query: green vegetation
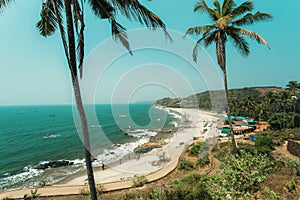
[271,194]
[240,178]
[279,106]
[227,22]
[185,165]
[197,148]
[139,181]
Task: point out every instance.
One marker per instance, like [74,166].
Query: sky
[34,70]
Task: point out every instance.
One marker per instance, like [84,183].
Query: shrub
[139,181]
[185,165]
[271,194]
[203,161]
[241,176]
[189,188]
[264,144]
[196,148]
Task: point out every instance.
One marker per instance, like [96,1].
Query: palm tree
[226,25]
[292,87]
[248,106]
[71,27]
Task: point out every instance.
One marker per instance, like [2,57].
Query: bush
[185,165]
[189,188]
[241,176]
[139,181]
[203,161]
[196,148]
[264,144]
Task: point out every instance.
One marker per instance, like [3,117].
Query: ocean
[35,138]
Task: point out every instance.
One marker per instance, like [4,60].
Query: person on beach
[103,167]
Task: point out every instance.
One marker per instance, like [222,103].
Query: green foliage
[291,185]
[292,163]
[197,148]
[280,120]
[271,194]
[136,195]
[185,165]
[264,144]
[297,120]
[139,181]
[203,160]
[241,176]
[189,188]
[6,198]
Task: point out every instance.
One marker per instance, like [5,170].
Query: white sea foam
[21,177]
[119,151]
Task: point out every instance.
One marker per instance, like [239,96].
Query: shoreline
[158,159]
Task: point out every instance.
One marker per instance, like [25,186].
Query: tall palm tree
[71,27]
[292,87]
[226,23]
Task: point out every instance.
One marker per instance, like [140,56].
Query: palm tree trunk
[221,55]
[77,93]
[234,148]
[86,139]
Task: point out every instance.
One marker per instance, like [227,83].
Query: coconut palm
[248,106]
[292,87]
[71,27]
[226,23]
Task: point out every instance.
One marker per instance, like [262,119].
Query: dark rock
[53,164]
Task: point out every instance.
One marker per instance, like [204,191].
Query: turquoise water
[30,135]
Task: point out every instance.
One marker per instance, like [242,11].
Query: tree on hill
[226,25]
[292,87]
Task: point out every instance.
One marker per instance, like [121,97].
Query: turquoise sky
[34,71]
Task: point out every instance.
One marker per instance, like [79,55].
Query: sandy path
[119,176]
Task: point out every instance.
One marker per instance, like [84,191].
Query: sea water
[32,135]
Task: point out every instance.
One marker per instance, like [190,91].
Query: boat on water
[49,136]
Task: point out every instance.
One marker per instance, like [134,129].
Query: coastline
[148,164]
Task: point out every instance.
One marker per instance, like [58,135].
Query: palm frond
[227,7]
[250,34]
[197,46]
[77,14]
[218,8]
[102,8]
[202,7]
[79,20]
[199,30]
[241,9]
[220,49]
[119,33]
[239,42]
[47,24]
[4,4]
[251,19]
[57,8]
[132,9]
[210,38]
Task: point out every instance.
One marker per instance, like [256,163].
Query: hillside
[203,100]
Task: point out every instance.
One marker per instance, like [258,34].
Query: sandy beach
[153,165]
